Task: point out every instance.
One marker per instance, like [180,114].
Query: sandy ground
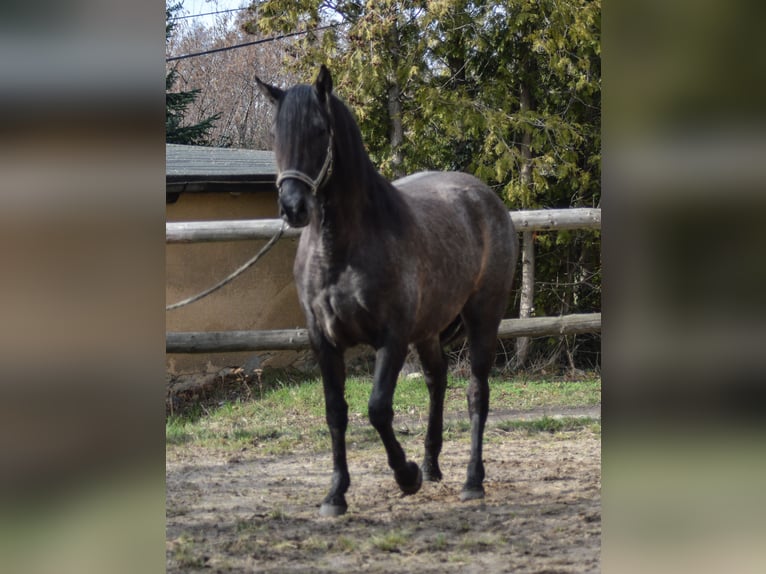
[244,512]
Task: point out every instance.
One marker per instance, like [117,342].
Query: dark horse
[388,264]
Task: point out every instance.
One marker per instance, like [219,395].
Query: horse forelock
[299,112]
[300,130]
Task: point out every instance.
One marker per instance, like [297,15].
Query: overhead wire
[253,43]
[208,13]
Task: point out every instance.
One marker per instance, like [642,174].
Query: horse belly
[441,300]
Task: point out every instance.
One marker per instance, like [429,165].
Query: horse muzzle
[295,203]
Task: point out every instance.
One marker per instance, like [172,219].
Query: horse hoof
[471,494]
[431,474]
[332,510]
[408,489]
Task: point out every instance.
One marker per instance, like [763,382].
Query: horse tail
[453,333]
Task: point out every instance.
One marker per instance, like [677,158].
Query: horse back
[445,203]
[465,241]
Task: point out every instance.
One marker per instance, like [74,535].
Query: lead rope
[252,261]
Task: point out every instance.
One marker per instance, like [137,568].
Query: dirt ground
[244,512]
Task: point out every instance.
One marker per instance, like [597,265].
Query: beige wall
[264,297]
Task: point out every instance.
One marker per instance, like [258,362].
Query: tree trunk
[527,295]
[396,131]
[396,136]
[525,173]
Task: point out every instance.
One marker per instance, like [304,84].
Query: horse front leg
[388,363]
[336,410]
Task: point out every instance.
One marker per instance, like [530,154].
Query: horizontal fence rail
[242,229]
[297,339]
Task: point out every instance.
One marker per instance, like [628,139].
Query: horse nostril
[296,215]
[302,213]
[294,203]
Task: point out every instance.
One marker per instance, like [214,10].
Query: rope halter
[321,179]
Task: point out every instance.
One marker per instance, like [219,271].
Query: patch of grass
[455,429]
[182,552]
[284,546]
[515,394]
[439,543]
[548,424]
[315,544]
[247,526]
[242,545]
[176,432]
[306,399]
[480,541]
[345,544]
[391,541]
[277,514]
[182,430]
[290,416]
[457,558]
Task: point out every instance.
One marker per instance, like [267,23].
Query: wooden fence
[296,339]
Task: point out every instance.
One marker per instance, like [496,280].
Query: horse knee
[381,414]
[436,378]
[478,396]
[336,414]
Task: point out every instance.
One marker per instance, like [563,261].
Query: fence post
[527,293]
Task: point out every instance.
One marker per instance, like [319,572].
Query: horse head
[303,144]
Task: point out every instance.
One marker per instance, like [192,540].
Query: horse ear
[323,83]
[272,92]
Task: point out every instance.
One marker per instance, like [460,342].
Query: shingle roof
[199,168]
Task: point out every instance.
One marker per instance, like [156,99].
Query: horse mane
[358,174]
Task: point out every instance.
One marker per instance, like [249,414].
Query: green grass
[478,542]
[290,414]
[184,553]
[391,541]
[439,543]
[550,424]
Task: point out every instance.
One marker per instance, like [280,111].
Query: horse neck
[356,199]
[347,209]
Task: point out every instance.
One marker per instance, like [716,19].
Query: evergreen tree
[177,103]
[509,91]
[375,56]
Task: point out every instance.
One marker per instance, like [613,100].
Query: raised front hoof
[471,494]
[332,510]
[412,480]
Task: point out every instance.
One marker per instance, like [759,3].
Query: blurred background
[81,286]
[684,243]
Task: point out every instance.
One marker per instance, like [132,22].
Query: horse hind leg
[435,371]
[481,324]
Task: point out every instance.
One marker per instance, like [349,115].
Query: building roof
[198,168]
